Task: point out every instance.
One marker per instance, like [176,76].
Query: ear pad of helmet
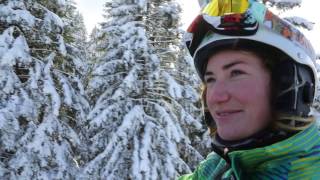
[294,88]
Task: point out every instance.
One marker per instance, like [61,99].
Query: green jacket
[297,157]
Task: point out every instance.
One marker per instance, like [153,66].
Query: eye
[210,80]
[236,72]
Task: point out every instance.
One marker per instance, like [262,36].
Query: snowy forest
[121,104]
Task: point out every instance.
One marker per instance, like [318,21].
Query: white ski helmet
[251,25]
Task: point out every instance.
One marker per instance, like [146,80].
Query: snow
[49,87]
[11,16]
[119,139]
[39,145]
[6,39]
[122,10]
[287,1]
[145,149]
[22,105]
[36,71]
[98,119]
[61,3]
[18,54]
[66,91]
[136,159]
[142,3]
[62,47]
[131,79]
[44,148]
[37,139]
[128,76]
[172,130]
[53,19]
[174,88]
[143,120]
[301,22]
[10,126]
[13,51]
[80,85]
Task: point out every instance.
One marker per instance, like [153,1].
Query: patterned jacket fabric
[295,158]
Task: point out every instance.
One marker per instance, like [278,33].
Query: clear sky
[92,14]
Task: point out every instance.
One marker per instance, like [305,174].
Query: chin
[231,134]
[228,135]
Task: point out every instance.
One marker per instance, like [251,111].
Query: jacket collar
[290,149]
[260,139]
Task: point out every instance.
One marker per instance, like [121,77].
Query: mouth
[226,113]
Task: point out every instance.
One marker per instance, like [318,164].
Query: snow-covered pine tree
[75,38]
[188,78]
[74,31]
[179,81]
[95,51]
[137,128]
[39,104]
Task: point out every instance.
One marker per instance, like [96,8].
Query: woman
[259,77]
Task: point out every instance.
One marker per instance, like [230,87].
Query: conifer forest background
[120,103]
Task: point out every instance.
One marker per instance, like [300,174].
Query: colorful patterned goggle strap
[240,18]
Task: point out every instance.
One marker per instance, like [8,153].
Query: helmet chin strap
[294,123]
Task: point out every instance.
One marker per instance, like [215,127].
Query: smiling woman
[228,77]
[259,81]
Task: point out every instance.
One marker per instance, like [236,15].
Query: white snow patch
[51,17]
[287,1]
[145,149]
[142,3]
[174,89]
[66,91]
[18,54]
[62,46]
[49,87]
[13,51]
[136,160]
[61,3]
[12,16]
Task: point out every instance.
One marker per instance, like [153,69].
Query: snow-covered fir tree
[96,50]
[138,129]
[75,36]
[179,81]
[40,95]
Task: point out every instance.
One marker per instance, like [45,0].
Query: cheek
[252,93]
[256,100]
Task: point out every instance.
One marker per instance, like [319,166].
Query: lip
[223,114]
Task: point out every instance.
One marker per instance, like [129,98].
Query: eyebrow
[227,66]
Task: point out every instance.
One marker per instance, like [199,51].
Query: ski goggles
[242,18]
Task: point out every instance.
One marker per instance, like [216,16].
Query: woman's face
[238,93]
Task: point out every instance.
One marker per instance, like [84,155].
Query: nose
[217,93]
